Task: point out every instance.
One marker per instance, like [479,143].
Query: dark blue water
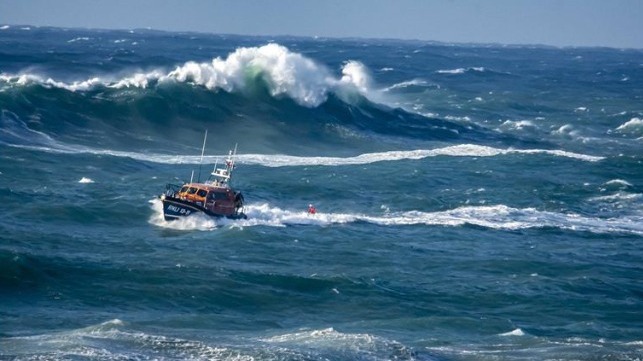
[474,202]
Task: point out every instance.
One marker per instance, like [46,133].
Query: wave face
[474,202]
[268,94]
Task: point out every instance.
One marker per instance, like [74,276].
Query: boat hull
[175,208]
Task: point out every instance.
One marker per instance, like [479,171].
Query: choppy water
[475,202]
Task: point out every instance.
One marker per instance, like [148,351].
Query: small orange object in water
[311,209]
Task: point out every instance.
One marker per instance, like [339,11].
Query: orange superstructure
[213,197]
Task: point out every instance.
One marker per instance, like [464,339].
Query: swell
[174,115]
[268,95]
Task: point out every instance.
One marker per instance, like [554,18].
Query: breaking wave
[633,127]
[116,340]
[284,72]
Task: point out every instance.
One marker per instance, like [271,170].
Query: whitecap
[452,71]
[84,38]
[331,338]
[518,125]
[633,126]
[566,130]
[4,27]
[618,182]
[618,197]
[462,70]
[516,332]
[406,84]
[458,119]
[356,74]
[286,73]
[85,180]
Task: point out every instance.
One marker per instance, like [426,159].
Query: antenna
[202,151]
[223,175]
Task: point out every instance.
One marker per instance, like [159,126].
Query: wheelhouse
[204,193]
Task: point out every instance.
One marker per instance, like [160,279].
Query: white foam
[322,335]
[406,84]
[461,70]
[114,322]
[138,80]
[86,343]
[516,332]
[518,125]
[462,150]
[619,182]
[196,222]
[618,197]
[564,129]
[27,79]
[465,119]
[286,73]
[452,71]
[634,125]
[356,74]
[85,180]
[4,27]
[499,217]
[84,38]
[280,160]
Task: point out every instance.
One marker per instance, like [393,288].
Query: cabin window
[183,189]
[218,196]
[192,190]
[201,193]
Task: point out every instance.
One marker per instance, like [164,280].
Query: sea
[474,201]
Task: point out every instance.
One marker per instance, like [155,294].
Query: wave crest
[284,72]
[634,127]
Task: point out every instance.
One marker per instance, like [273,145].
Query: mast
[202,151]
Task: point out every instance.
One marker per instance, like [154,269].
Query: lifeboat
[214,197]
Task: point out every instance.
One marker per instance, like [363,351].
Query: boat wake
[498,217]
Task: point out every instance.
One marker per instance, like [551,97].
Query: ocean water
[476,202]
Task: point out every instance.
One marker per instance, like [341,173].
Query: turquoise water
[474,202]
